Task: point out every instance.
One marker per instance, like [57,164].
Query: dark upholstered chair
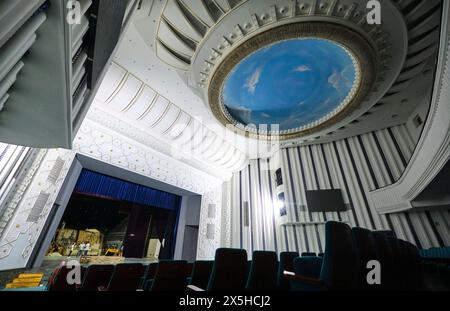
[308,266]
[149,274]
[96,276]
[126,277]
[58,280]
[339,262]
[170,275]
[229,270]
[339,267]
[398,271]
[410,272]
[365,252]
[263,271]
[189,268]
[201,273]
[387,260]
[286,264]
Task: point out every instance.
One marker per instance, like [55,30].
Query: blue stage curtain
[99,185]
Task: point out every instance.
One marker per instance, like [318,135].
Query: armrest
[194,288]
[296,277]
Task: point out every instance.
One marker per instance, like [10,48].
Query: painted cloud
[253,80]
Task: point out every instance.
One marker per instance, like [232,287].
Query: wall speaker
[210,228]
[211,210]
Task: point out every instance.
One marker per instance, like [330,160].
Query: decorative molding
[207,245]
[433,149]
[226,215]
[21,185]
[99,142]
[406,45]
[356,46]
[389,42]
[24,228]
[101,116]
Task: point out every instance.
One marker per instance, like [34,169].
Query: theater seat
[339,267]
[201,273]
[149,274]
[308,266]
[170,276]
[263,271]
[365,252]
[189,268]
[339,261]
[416,267]
[126,277]
[229,270]
[398,270]
[410,267]
[286,264]
[386,259]
[59,282]
[96,276]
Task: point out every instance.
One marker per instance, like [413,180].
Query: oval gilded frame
[356,44]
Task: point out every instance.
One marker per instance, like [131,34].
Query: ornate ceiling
[205,41]
[194,66]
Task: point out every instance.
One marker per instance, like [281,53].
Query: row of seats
[264,272]
[348,252]
[343,266]
[435,252]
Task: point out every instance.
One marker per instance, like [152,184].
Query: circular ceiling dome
[293,80]
[290,85]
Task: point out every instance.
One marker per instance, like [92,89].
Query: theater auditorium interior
[224,145]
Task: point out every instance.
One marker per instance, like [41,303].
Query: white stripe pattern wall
[356,165]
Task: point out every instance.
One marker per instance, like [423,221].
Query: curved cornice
[433,149]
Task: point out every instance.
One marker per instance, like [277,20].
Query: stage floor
[98,260]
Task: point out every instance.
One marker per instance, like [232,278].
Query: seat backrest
[408,266]
[126,277]
[170,275]
[149,273]
[189,268]
[416,269]
[386,259]
[338,267]
[365,252]
[398,270]
[308,266]
[96,276]
[286,264]
[59,280]
[263,271]
[201,273]
[308,254]
[229,270]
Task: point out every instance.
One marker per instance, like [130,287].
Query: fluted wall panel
[355,165]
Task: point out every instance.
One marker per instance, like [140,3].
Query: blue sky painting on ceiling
[291,83]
